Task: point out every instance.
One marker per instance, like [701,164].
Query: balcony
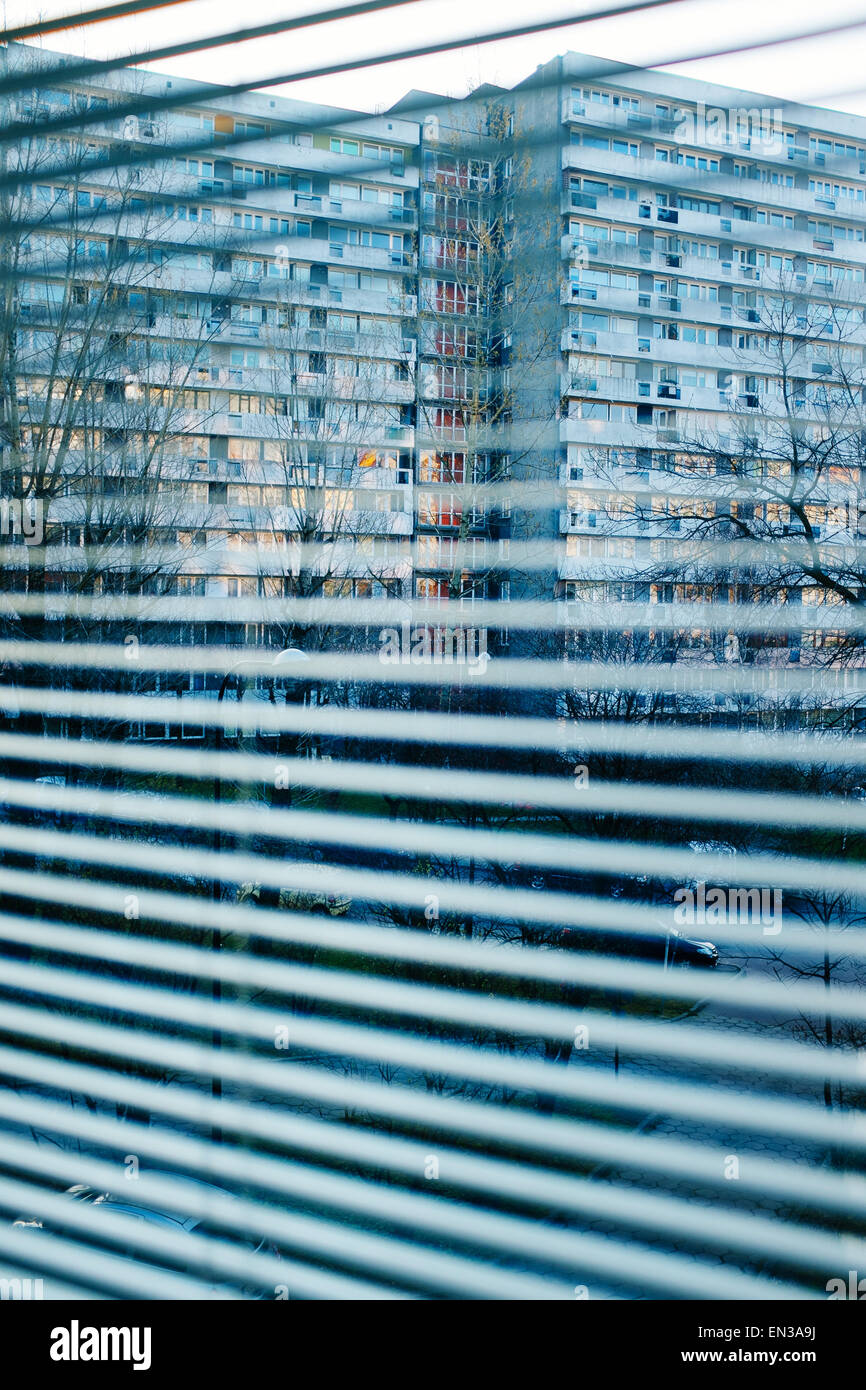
[582,200]
[572,109]
[575,381]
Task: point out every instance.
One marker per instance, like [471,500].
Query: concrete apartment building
[214,350]
[712,294]
[708,320]
[620,312]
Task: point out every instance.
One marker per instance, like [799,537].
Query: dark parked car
[168,1220]
[669,948]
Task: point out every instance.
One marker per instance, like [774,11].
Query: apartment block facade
[214,346]
[713,265]
[571,342]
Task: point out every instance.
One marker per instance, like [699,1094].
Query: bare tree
[764,505]
[102,363]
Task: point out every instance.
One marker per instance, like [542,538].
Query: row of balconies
[206,336]
[580,521]
[261,380]
[390,345]
[218,555]
[347,256]
[256,245]
[313,433]
[271,151]
[314,250]
[720,187]
[312,160]
[706,312]
[680,355]
[271,292]
[220,516]
[624,434]
[350,210]
[661,129]
[223,195]
[652,433]
[713,226]
[643,530]
[177,471]
[636,346]
[647,473]
[798,242]
[616,388]
[722,270]
[257,425]
[655,481]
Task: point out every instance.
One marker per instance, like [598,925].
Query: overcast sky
[828,71]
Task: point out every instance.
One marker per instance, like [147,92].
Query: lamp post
[282,658]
